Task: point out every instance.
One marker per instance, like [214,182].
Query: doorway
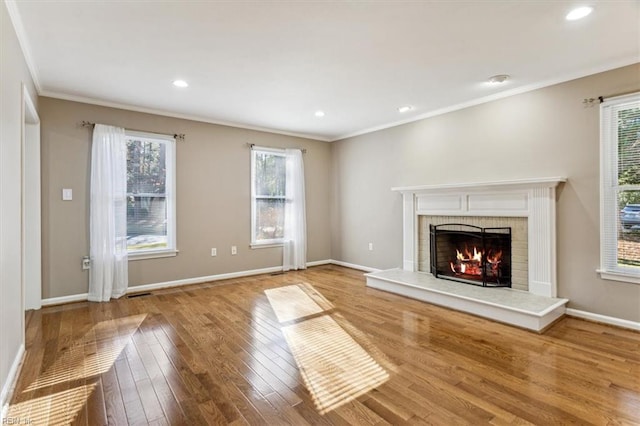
[31,205]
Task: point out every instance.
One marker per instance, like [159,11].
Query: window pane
[629,146]
[269,219]
[146,199]
[629,229]
[270,174]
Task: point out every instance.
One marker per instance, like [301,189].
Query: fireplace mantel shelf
[480,186]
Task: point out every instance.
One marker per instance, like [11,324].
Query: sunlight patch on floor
[88,357]
[296,301]
[91,355]
[59,408]
[335,368]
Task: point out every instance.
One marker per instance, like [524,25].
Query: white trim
[16,20]
[619,322]
[200,280]
[254,151]
[483,100]
[149,136]
[441,111]
[31,288]
[65,299]
[610,268]
[170,193]
[217,277]
[319,263]
[478,186]
[133,256]
[616,276]
[10,383]
[188,281]
[354,266]
[191,117]
[277,151]
[265,245]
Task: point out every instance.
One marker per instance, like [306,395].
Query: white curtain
[108,214]
[295,221]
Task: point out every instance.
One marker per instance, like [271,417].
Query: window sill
[152,255]
[264,245]
[618,276]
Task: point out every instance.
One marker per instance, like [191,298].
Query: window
[620,189]
[268,176]
[150,195]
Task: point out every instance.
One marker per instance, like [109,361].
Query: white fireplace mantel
[534,199]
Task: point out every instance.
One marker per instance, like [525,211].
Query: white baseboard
[319,263]
[178,283]
[200,280]
[10,384]
[603,319]
[354,266]
[65,299]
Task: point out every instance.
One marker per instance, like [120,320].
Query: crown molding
[505,94]
[16,20]
[129,107]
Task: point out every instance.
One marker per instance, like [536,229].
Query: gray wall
[543,133]
[13,74]
[213,196]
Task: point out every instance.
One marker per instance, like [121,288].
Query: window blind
[620,186]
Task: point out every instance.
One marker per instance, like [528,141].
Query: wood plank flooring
[315,347]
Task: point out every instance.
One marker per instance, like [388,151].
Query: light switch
[67,194]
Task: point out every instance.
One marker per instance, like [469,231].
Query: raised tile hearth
[514,307]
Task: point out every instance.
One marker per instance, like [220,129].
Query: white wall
[13,73]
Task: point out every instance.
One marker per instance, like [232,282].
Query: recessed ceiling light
[319,114]
[405,108]
[578,13]
[180,83]
[498,79]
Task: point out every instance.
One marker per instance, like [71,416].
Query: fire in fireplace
[470,254]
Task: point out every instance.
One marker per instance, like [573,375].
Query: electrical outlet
[370,246]
[234,250]
[86,263]
[214,252]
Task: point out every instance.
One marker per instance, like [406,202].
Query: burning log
[472,264]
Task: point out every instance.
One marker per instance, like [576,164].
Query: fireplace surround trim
[531,198]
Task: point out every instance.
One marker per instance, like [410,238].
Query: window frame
[610,269]
[170,195]
[274,242]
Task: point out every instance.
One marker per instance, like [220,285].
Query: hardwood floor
[315,347]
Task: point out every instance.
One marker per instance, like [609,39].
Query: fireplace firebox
[471,254]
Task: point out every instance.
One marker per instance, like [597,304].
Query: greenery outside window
[620,189]
[150,195]
[268,185]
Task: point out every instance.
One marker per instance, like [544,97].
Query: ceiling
[272,64]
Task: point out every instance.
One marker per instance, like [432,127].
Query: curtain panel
[108,214]
[294,250]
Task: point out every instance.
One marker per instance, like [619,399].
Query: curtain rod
[177,136]
[252,145]
[601,99]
